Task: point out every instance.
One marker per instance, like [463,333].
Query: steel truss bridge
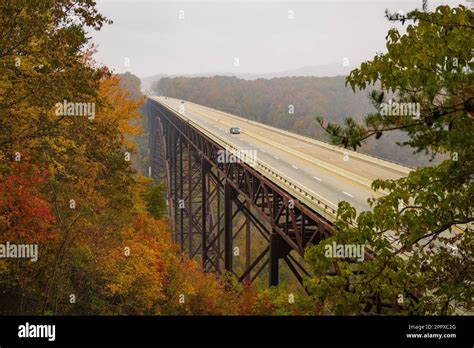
[249,219]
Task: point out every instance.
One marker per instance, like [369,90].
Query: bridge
[249,203]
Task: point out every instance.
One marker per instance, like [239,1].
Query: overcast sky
[192,37]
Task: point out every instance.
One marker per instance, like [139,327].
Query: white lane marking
[275,157]
[348,194]
[317,178]
[295,167]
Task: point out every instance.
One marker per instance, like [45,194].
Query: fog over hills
[327,70]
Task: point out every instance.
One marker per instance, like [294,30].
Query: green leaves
[420,234]
[155,199]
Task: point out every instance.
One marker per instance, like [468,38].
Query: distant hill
[268,101]
[327,70]
[130,82]
[147,82]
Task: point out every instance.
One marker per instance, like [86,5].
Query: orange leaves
[192,292]
[135,268]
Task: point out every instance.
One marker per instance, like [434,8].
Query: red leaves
[25,213]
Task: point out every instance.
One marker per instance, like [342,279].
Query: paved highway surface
[326,172]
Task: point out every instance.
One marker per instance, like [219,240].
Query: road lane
[323,183]
[330,154]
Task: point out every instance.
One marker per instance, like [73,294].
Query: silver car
[234,130]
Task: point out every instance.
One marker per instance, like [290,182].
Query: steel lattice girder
[211,190]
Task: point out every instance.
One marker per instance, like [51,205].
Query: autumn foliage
[67,186]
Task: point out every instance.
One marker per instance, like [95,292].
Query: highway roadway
[327,172]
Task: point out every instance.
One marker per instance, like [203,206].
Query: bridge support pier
[205,210]
[229,196]
[279,250]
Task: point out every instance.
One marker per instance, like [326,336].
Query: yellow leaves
[3,266]
[120,108]
[136,268]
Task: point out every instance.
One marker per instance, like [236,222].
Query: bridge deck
[329,173]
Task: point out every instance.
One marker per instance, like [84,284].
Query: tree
[420,234]
[42,56]
[155,197]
